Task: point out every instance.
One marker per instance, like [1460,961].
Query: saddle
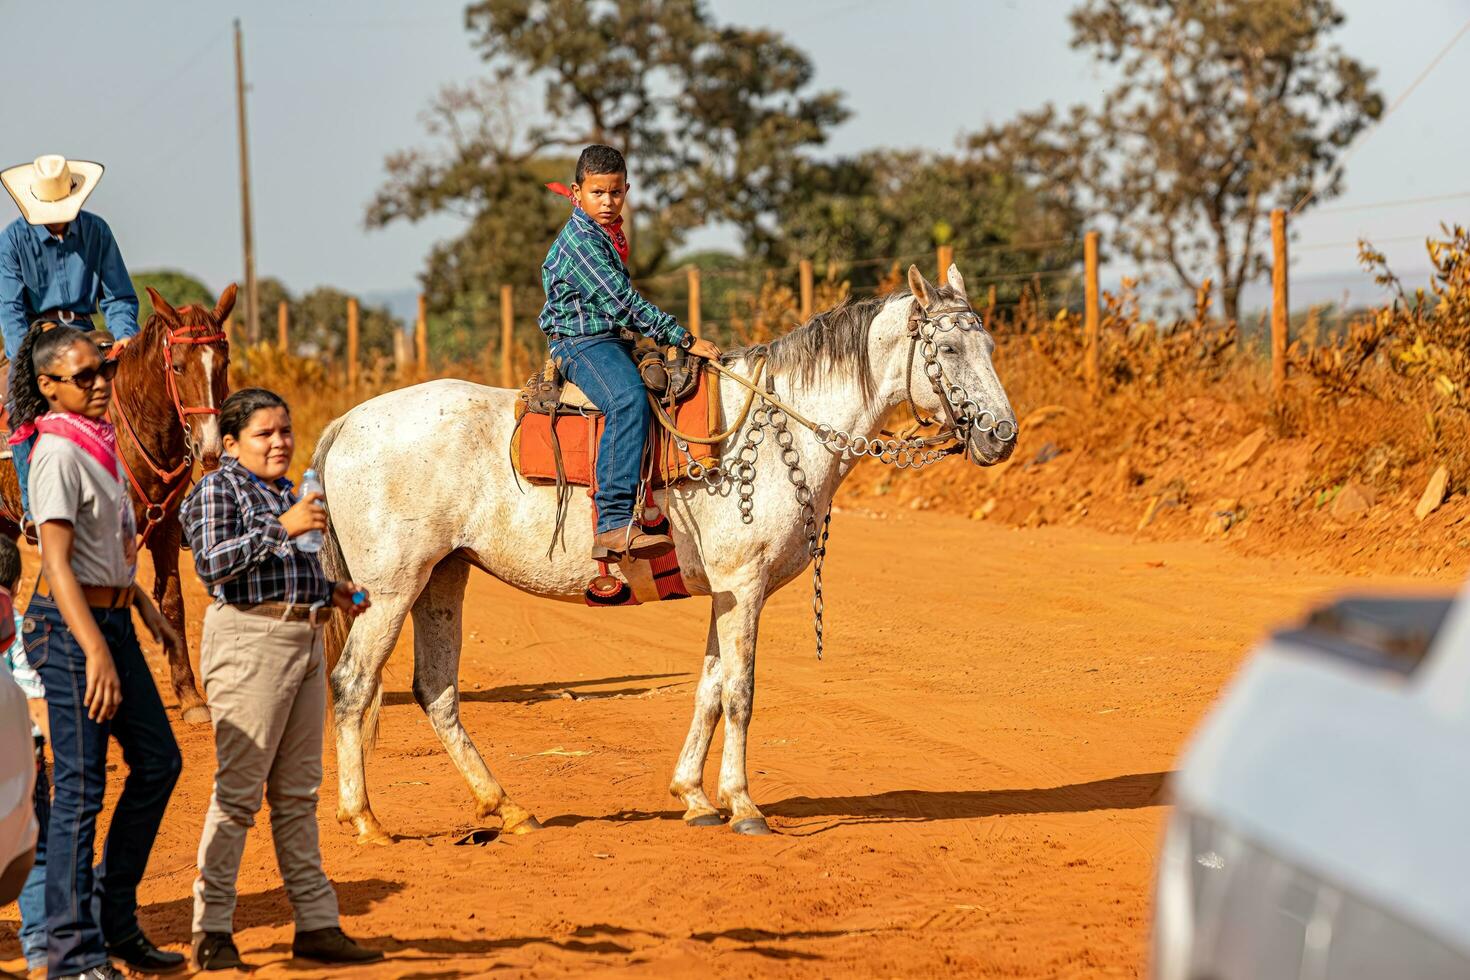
[558,427]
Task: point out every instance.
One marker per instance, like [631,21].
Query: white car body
[1322,821]
[17,773]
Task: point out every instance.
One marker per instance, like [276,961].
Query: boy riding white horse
[589,299]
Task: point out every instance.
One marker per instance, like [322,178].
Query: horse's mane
[831,342]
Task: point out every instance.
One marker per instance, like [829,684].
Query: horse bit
[905,450]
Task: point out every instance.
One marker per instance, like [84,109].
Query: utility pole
[252,297]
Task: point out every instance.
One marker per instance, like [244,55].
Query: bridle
[175,481]
[962,412]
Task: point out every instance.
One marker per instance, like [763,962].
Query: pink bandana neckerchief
[96,437]
[614,230]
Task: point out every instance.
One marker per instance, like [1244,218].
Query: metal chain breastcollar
[903,452]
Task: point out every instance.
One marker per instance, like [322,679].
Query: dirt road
[971,784]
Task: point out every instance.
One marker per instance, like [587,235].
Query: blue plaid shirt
[241,551]
[589,293]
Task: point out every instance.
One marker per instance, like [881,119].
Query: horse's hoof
[705,820]
[752,827]
[527,826]
[374,835]
[197,715]
[369,831]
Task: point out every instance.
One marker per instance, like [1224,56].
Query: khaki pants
[266,684]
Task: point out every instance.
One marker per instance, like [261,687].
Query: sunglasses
[87,377]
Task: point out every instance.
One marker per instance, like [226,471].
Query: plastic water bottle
[311,541]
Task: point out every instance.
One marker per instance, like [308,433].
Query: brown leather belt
[67,317]
[97,596]
[290,612]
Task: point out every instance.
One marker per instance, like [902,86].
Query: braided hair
[38,351]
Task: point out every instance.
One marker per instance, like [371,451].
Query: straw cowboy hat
[51,190]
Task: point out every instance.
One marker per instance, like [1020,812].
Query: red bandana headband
[614,230]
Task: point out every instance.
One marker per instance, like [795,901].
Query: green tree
[1223,110]
[179,288]
[319,325]
[714,120]
[898,206]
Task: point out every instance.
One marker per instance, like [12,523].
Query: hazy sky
[147,88]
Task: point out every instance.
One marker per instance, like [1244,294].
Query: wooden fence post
[944,257]
[1280,308]
[507,337]
[283,329]
[401,356]
[1092,312]
[807,290]
[694,311]
[421,335]
[352,340]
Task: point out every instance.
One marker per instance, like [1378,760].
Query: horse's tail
[334,633]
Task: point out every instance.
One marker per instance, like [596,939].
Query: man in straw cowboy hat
[56,262]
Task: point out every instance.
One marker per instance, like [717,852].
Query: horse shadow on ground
[1130,792]
[553,690]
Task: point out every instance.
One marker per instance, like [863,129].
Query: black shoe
[104,972]
[141,956]
[331,945]
[216,951]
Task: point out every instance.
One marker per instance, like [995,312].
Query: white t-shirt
[67,484]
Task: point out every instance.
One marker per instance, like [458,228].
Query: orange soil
[971,784]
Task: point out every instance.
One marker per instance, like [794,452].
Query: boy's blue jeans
[85,910]
[20,455]
[32,900]
[602,366]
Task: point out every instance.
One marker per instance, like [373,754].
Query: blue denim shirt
[38,272]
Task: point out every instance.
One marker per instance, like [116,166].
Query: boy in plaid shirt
[589,298]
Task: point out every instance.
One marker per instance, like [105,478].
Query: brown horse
[171,379]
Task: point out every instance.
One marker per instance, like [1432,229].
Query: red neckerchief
[96,437]
[614,230]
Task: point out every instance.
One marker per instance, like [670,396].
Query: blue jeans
[602,366]
[20,455]
[32,900]
[85,911]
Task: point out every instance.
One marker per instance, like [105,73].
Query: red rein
[176,480]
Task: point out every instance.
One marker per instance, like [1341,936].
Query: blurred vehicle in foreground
[1322,812]
[17,785]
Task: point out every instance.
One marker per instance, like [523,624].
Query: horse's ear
[160,305]
[919,286]
[957,281]
[225,305]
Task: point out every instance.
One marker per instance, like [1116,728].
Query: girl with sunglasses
[78,635]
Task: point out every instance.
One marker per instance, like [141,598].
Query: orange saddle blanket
[578,432]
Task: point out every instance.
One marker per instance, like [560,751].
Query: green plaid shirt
[589,293]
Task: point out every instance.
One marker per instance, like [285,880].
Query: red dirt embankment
[970,784]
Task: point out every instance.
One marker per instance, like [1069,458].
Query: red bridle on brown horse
[176,480]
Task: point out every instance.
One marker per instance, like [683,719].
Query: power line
[1354,242]
[1312,191]
[1403,202]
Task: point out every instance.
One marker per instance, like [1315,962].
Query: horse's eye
[178,369]
[947,349]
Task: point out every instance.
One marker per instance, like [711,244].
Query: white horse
[422,490]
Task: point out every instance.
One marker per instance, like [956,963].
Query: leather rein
[176,480]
